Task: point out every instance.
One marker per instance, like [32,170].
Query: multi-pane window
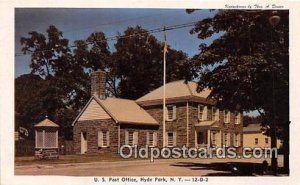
[237,139]
[226,116]
[266,140]
[256,141]
[103,138]
[152,138]
[170,112]
[226,139]
[213,138]
[202,112]
[215,114]
[237,118]
[171,139]
[131,138]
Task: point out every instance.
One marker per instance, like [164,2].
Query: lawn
[64,159]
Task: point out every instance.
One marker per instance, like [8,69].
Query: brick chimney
[98,84]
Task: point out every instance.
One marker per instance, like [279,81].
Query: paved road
[162,167]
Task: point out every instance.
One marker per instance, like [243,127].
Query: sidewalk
[160,167]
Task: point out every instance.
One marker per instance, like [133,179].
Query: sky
[80,23]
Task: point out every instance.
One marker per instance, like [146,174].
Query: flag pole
[164,90]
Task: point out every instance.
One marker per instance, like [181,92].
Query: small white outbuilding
[46,139]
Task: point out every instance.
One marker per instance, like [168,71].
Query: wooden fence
[26,147]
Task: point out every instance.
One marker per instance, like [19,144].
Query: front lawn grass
[65,159]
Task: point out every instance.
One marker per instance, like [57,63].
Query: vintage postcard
[149,93]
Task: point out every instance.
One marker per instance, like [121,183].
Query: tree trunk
[286,149]
[273,145]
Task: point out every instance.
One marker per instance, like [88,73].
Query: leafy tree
[28,108]
[139,63]
[247,120]
[45,51]
[95,55]
[247,67]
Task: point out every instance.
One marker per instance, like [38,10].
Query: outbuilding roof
[123,111]
[46,123]
[175,90]
[251,129]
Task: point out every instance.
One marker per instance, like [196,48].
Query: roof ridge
[189,88]
[118,98]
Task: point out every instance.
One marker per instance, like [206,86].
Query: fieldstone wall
[91,127]
[142,132]
[180,124]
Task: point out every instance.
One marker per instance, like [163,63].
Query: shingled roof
[127,111]
[179,90]
[122,111]
[46,123]
[253,128]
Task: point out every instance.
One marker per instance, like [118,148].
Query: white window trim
[237,139]
[154,139]
[174,139]
[101,139]
[214,138]
[173,113]
[228,116]
[237,119]
[204,113]
[217,114]
[134,138]
[226,139]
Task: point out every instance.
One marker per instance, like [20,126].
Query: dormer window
[170,112]
[202,112]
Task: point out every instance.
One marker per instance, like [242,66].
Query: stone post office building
[106,123]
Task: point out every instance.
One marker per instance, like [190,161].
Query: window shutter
[154,138]
[217,114]
[174,112]
[100,138]
[205,113]
[126,137]
[107,138]
[228,116]
[228,140]
[135,138]
[166,113]
[239,118]
[147,140]
[201,117]
[174,138]
[166,138]
[234,139]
